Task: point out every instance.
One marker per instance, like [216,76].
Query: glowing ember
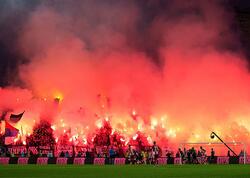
[135,136]
[53,127]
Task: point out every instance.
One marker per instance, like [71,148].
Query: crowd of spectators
[191,155]
[134,155]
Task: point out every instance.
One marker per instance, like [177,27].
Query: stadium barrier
[241,160]
[62,161]
[22,160]
[114,161]
[79,161]
[162,161]
[42,161]
[222,160]
[4,160]
[119,161]
[202,159]
[99,161]
[177,161]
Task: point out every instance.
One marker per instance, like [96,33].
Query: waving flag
[4,114]
[10,131]
[15,118]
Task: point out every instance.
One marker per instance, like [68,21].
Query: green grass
[127,171]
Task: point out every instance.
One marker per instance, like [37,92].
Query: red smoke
[195,87]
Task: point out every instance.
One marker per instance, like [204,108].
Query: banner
[33,150]
[45,150]
[241,160]
[79,161]
[62,148]
[4,160]
[177,161]
[99,161]
[81,149]
[42,161]
[17,149]
[61,161]
[222,160]
[162,161]
[119,161]
[22,161]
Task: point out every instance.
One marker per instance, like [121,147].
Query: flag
[9,140]
[15,118]
[4,114]
[10,131]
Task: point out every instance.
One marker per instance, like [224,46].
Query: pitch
[127,171]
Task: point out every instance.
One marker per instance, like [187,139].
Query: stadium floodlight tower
[213,135]
[236,145]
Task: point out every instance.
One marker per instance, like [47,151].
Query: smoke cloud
[176,66]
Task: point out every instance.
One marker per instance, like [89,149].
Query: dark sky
[11,23]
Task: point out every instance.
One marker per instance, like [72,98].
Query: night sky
[13,13]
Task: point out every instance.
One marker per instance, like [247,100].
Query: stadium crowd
[133,155]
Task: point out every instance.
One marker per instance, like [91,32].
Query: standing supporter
[120,153]
[130,154]
[194,156]
[199,153]
[181,155]
[155,150]
[212,157]
[22,154]
[185,155]
[67,154]
[50,154]
[202,151]
[144,157]
[40,154]
[8,153]
[79,154]
[62,154]
[150,156]
[177,155]
[241,153]
[112,152]
[189,156]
